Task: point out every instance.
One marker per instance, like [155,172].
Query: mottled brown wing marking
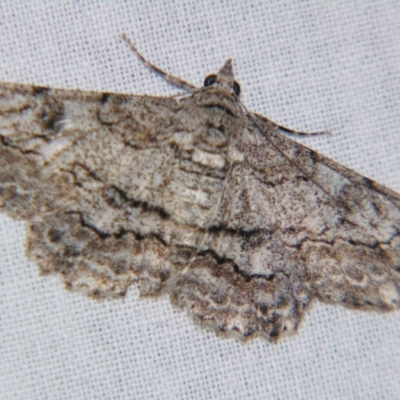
[353,255]
[219,296]
[100,227]
[291,215]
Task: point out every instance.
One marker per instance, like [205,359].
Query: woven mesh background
[308,65]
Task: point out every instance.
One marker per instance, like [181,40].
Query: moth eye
[210,80]
[236,88]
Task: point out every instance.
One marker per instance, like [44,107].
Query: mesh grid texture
[312,66]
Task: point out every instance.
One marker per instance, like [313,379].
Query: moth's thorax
[219,97]
[203,152]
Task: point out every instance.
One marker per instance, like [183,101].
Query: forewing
[340,228]
[293,225]
[89,172]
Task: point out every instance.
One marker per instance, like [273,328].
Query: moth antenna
[173,80]
[292,131]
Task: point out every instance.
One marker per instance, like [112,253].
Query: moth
[196,197]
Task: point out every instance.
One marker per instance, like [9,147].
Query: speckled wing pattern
[195,197]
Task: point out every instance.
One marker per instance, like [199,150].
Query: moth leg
[289,130]
[173,80]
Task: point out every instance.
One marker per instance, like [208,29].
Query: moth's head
[224,79]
